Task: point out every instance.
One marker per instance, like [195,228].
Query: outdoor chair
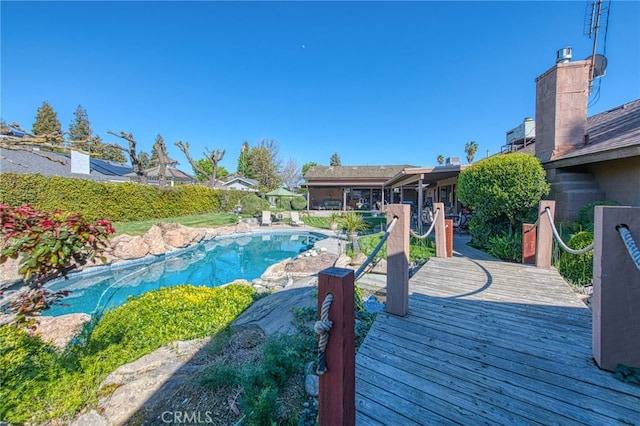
[295,219]
[266,218]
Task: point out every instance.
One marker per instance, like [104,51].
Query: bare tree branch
[135,162]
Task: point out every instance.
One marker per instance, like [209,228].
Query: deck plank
[487,342]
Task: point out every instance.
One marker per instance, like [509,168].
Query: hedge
[120,202]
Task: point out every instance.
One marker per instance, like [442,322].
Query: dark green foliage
[586,213]
[501,191]
[80,129]
[298,203]
[577,268]
[507,246]
[253,205]
[284,203]
[47,122]
[119,202]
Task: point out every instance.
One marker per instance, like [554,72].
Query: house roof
[282,192]
[611,134]
[251,182]
[352,172]
[429,175]
[171,172]
[29,160]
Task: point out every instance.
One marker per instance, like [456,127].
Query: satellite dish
[599,65]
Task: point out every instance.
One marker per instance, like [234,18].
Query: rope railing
[533,226]
[322,328]
[426,234]
[562,243]
[361,269]
[629,243]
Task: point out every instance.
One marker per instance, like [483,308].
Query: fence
[616,277]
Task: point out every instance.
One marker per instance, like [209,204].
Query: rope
[322,328]
[426,234]
[562,244]
[533,226]
[627,239]
[375,251]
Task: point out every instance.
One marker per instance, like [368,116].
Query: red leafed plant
[49,244]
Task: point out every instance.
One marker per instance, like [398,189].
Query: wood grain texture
[487,342]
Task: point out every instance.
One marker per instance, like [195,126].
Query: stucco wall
[619,179]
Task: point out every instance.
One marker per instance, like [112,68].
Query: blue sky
[375,82]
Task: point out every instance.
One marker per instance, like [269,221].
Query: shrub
[501,190]
[121,202]
[49,245]
[507,246]
[586,213]
[577,269]
[298,203]
[253,205]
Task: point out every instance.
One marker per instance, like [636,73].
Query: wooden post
[529,233]
[439,230]
[448,225]
[337,387]
[544,244]
[398,260]
[616,290]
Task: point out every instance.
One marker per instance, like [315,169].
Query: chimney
[80,163]
[561,107]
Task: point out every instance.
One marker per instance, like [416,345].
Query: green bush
[577,269]
[501,191]
[253,205]
[507,246]
[284,203]
[586,214]
[298,203]
[120,202]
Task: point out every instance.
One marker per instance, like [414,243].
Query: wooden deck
[487,342]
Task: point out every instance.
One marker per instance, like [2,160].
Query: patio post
[398,259]
[544,240]
[440,231]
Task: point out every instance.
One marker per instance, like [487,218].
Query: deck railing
[616,277]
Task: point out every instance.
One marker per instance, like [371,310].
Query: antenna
[594,14]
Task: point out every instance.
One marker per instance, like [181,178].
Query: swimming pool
[212,263]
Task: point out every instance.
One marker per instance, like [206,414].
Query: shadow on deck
[487,342]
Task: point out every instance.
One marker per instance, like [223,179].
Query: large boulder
[59,331]
[126,247]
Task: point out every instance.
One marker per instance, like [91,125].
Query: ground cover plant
[38,383]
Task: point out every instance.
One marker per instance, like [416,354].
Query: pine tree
[80,129]
[47,124]
[335,160]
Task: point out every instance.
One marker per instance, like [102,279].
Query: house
[586,158]
[30,159]
[239,183]
[349,187]
[172,176]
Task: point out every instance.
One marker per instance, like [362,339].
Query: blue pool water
[216,262]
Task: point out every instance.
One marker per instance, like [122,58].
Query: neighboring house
[74,165]
[239,183]
[172,176]
[349,187]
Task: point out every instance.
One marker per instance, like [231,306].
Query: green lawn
[195,221]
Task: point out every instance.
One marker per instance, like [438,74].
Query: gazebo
[280,192]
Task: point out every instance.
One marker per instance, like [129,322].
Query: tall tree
[214,157]
[440,159]
[205,165]
[80,129]
[160,157]
[470,149]
[291,174]
[135,162]
[307,166]
[263,165]
[47,124]
[335,160]
[105,151]
[242,159]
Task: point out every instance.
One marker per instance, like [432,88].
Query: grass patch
[210,220]
[419,249]
[37,383]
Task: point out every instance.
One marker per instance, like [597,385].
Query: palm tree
[470,149]
[440,159]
